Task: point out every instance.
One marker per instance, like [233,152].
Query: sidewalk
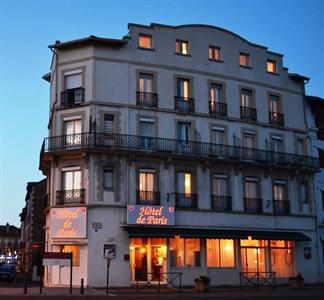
[131,292]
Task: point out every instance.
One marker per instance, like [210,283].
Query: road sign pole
[71,271]
[108,266]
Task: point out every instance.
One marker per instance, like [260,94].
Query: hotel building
[180,149]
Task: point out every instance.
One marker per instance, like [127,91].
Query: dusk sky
[291,27]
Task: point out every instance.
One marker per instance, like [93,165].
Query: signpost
[109,254]
[59,259]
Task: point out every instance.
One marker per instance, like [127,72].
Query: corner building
[183,149]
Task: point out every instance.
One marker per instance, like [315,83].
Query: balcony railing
[281,207]
[221,203]
[72,97]
[217,109]
[248,113]
[184,200]
[162,146]
[70,197]
[184,104]
[144,99]
[276,118]
[147,197]
[253,205]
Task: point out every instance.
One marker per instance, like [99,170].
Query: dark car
[7,272]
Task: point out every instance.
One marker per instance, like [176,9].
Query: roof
[297,77]
[150,231]
[47,77]
[315,99]
[9,230]
[203,26]
[89,40]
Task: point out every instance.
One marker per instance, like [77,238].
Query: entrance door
[148,259]
[253,260]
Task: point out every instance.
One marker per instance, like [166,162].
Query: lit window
[220,253]
[271,66]
[182,47]
[108,179]
[75,254]
[214,53]
[244,59]
[185,252]
[282,258]
[145,41]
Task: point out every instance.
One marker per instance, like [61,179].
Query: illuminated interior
[220,253]
[271,66]
[75,253]
[187,183]
[145,41]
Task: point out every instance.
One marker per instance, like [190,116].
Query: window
[108,179]
[274,104]
[277,143]
[244,59]
[182,47]
[251,188]
[75,253]
[184,183]
[145,41]
[219,185]
[71,180]
[146,132]
[146,180]
[219,135]
[216,92]
[72,133]
[183,88]
[272,66]
[300,147]
[73,81]
[109,123]
[220,253]
[303,193]
[246,98]
[184,252]
[184,132]
[279,190]
[214,53]
[73,92]
[282,258]
[249,140]
[145,83]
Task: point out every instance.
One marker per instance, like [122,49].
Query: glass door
[72,133]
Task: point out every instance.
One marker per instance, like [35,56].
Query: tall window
[73,81]
[71,187]
[303,193]
[220,253]
[249,140]
[145,41]
[274,102]
[219,185]
[300,146]
[216,92]
[182,47]
[277,143]
[184,133]
[219,135]
[246,98]
[184,252]
[184,183]
[109,123]
[73,92]
[75,253]
[214,53]
[253,255]
[282,258]
[271,66]
[146,180]
[145,83]
[279,190]
[108,179]
[183,88]
[251,188]
[244,59]
[72,132]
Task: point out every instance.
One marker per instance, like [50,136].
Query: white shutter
[73,81]
[109,124]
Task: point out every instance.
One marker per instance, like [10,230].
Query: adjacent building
[32,220]
[177,149]
[9,243]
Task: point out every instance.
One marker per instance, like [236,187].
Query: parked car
[7,272]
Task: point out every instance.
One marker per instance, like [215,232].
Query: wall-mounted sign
[57,259]
[150,215]
[68,223]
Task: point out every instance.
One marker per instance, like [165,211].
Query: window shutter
[109,124]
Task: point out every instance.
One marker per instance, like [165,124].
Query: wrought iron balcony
[185,200]
[217,109]
[72,97]
[144,99]
[184,104]
[281,207]
[147,197]
[253,205]
[123,143]
[248,113]
[276,118]
[221,203]
[70,197]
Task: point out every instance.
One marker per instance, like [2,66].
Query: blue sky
[291,27]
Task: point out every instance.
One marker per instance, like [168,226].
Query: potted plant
[202,283]
[296,282]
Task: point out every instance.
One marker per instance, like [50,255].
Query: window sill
[273,73]
[147,49]
[246,67]
[216,60]
[182,54]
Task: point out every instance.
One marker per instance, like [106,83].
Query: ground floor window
[75,253]
[184,252]
[220,253]
[282,258]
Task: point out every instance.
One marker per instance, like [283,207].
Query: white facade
[125,119]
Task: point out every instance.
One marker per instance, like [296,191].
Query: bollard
[25,285]
[82,286]
[40,285]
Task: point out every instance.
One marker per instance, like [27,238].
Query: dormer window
[272,66]
[244,59]
[182,47]
[145,41]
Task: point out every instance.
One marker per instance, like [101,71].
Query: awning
[151,231]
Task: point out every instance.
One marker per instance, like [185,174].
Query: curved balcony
[123,143]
